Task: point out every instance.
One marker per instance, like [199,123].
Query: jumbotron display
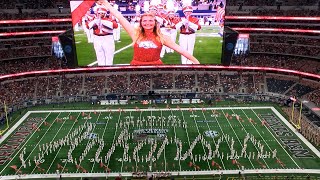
[112,34]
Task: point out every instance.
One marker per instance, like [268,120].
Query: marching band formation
[131,127]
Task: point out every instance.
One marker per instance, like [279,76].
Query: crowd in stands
[23,42]
[309,124]
[25,15]
[291,12]
[303,64]
[139,83]
[185,81]
[25,52]
[283,38]
[30,64]
[314,96]
[162,81]
[286,48]
[72,85]
[94,84]
[279,85]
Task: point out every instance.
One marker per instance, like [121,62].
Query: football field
[207,50]
[178,141]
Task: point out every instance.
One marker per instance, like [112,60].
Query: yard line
[175,135]
[164,150]
[88,140]
[104,130]
[39,140]
[22,146]
[222,130]
[259,134]
[276,140]
[186,133]
[127,142]
[69,133]
[93,139]
[201,142]
[138,142]
[213,138]
[114,137]
[155,141]
[236,134]
[61,146]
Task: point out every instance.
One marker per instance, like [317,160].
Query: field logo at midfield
[92,136]
[211,134]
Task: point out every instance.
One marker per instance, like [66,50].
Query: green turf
[106,129]
[207,49]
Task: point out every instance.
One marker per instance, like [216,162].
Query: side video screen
[100,40]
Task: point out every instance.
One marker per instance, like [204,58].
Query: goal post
[7,121]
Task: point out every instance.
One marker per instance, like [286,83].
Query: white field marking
[86,144]
[278,140]
[54,139]
[222,132]
[28,141]
[208,35]
[315,151]
[12,122]
[302,138]
[123,148]
[236,135]
[164,150]
[14,127]
[104,130]
[212,137]
[174,173]
[150,146]
[186,133]
[175,135]
[116,52]
[259,134]
[201,142]
[114,137]
[67,135]
[20,149]
[137,143]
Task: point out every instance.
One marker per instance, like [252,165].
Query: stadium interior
[281,64]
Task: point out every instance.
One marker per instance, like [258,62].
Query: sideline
[174,173]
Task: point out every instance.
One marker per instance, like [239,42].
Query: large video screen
[100,40]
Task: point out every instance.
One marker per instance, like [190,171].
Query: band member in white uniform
[103,40]
[188,25]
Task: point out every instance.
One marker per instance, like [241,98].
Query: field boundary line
[175,173]
[302,138]
[24,143]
